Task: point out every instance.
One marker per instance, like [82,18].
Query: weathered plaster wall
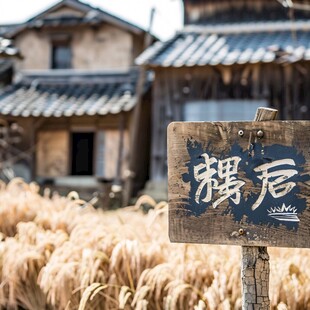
[105,47]
[52,153]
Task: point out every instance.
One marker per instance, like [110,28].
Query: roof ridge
[83,6]
[248,27]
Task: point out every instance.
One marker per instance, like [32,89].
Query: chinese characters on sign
[216,182]
[230,184]
[227,170]
[274,182]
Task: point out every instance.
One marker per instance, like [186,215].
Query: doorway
[82,153]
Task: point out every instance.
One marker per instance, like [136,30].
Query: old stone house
[230,58]
[73,94]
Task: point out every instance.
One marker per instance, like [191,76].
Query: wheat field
[60,253]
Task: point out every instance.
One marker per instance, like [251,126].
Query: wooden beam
[118,176]
[36,125]
[255,260]
[127,193]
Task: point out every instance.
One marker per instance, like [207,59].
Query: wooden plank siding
[208,11]
[106,122]
[52,153]
[283,87]
[112,139]
[54,149]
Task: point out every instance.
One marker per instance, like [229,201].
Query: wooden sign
[239,183]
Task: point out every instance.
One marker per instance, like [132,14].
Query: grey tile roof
[5,28]
[57,97]
[201,48]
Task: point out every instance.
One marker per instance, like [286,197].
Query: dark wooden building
[73,94]
[230,58]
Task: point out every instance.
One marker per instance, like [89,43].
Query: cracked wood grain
[255,278]
[255,260]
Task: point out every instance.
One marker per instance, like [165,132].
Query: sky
[168,13]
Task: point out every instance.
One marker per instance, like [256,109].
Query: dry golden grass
[60,253]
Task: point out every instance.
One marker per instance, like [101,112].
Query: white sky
[168,16]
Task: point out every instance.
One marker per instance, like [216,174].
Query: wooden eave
[85,8]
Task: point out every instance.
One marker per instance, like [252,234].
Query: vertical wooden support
[33,150]
[121,129]
[35,126]
[127,193]
[255,260]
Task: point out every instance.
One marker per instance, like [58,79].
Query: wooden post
[202,154]
[255,260]
[127,193]
[33,142]
[118,176]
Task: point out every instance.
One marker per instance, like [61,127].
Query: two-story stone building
[74,93]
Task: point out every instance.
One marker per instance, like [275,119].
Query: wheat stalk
[60,253]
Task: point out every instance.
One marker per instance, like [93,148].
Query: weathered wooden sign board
[239,183]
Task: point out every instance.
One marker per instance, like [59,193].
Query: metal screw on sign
[260,134]
[241,231]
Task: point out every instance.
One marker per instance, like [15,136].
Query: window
[82,153]
[61,55]
[221,110]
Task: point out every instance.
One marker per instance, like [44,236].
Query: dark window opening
[61,56]
[82,153]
